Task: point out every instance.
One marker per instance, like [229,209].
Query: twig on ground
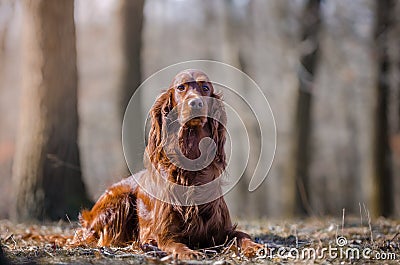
[336,234]
[369,223]
[344,209]
[48,253]
[395,236]
[111,254]
[68,219]
[296,236]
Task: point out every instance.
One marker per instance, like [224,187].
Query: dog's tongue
[195,122]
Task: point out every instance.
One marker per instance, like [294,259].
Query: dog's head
[188,111]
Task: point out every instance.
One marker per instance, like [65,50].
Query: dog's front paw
[251,249]
[189,255]
[182,252]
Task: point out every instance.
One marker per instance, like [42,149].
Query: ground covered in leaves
[322,241]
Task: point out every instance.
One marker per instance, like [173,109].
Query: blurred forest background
[329,68]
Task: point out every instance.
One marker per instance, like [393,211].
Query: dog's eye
[181,87]
[206,88]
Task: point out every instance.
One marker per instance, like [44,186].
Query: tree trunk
[394,106]
[387,126]
[131,39]
[311,23]
[46,171]
[132,20]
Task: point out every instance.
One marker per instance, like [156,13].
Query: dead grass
[48,244]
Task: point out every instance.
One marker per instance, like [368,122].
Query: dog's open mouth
[193,118]
[198,121]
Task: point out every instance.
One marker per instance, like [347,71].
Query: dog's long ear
[159,111]
[218,129]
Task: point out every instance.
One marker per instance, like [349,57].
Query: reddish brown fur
[125,213]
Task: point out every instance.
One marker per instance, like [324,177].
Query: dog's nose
[196,103]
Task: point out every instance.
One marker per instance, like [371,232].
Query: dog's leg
[248,247]
[180,250]
[112,220]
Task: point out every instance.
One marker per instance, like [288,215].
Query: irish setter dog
[128,212]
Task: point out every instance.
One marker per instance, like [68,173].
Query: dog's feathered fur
[126,213]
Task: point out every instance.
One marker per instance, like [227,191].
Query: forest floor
[321,241]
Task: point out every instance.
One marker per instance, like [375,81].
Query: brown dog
[126,212]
